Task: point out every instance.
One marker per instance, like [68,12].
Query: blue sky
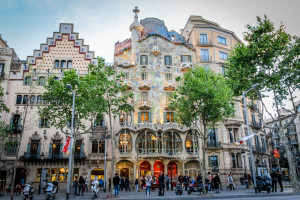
[27,23]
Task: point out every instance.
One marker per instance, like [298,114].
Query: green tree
[97,94]
[3,107]
[271,59]
[201,100]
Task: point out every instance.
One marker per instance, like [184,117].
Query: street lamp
[71,142]
[105,138]
[170,154]
[243,153]
[42,159]
[248,133]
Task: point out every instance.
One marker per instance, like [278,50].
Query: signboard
[276,153]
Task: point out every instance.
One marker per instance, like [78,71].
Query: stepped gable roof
[154,26]
[122,46]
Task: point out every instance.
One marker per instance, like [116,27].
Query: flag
[65,148]
[241,141]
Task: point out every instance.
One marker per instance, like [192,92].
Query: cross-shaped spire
[136,10]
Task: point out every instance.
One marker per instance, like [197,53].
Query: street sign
[276,153]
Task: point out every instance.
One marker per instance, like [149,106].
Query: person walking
[216,182]
[122,183]
[101,183]
[246,180]
[180,179]
[274,177]
[148,180]
[136,183]
[153,182]
[75,184]
[109,181]
[127,184]
[210,177]
[279,175]
[167,182]
[161,182]
[86,184]
[81,185]
[143,183]
[230,181]
[116,182]
[186,182]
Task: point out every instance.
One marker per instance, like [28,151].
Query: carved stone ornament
[57,136]
[155,49]
[35,136]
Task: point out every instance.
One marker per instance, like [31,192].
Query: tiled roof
[122,46]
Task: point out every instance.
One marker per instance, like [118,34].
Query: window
[25,99]
[253,118]
[99,121]
[78,146]
[32,99]
[222,40]
[34,148]
[168,60]
[144,96]
[98,146]
[212,138]
[148,142]
[56,64]
[144,76]
[126,75]
[169,96]
[19,99]
[203,39]
[169,117]
[39,99]
[11,148]
[234,164]
[223,70]
[125,142]
[257,143]
[63,64]
[144,60]
[191,143]
[232,135]
[168,76]
[69,64]
[125,118]
[172,143]
[213,161]
[204,55]
[236,160]
[1,69]
[186,58]
[41,80]
[56,149]
[15,123]
[27,80]
[223,55]
[44,123]
[144,117]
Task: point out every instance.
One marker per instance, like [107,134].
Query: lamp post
[170,154]
[105,138]
[71,142]
[42,159]
[244,157]
[248,133]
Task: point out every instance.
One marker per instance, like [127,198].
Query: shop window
[144,60]
[75,173]
[172,143]
[168,60]
[191,143]
[19,99]
[125,142]
[61,174]
[192,168]
[54,174]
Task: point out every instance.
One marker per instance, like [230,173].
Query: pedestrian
[75,184]
[136,183]
[109,183]
[186,182]
[127,184]
[153,182]
[274,177]
[86,184]
[143,182]
[280,180]
[122,180]
[216,181]
[167,182]
[161,181]
[101,183]
[198,179]
[116,182]
[210,177]
[246,180]
[148,181]
[180,179]
[81,185]
[229,181]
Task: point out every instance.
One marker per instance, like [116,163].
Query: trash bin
[242,181]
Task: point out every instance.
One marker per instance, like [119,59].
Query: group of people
[120,183]
[276,177]
[80,186]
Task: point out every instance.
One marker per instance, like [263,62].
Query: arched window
[41,80]
[69,63]
[63,64]
[27,80]
[191,143]
[56,64]
[125,119]
[192,168]
[172,143]
[125,142]
[149,143]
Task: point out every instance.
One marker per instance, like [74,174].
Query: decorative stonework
[35,136]
[57,136]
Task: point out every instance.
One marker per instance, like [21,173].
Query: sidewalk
[241,192]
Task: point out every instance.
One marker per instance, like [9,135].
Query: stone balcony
[144,85]
[169,85]
[144,105]
[186,66]
[128,84]
[125,63]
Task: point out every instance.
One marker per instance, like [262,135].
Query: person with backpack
[75,184]
[246,180]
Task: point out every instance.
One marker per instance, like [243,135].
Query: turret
[136,28]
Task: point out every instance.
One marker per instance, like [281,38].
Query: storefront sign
[276,153]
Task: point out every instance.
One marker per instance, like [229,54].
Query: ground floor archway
[172,170]
[145,169]
[158,167]
[97,173]
[125,169]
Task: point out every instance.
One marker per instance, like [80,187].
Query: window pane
[95,146]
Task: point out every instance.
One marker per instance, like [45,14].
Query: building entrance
[158,168]
[145,169]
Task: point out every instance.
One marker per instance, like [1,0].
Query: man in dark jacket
[161,181]
[122,183]
[279,175]
[274,177]
[186,181]
[216,181]
[116,182]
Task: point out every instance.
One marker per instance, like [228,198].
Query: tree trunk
[112,153]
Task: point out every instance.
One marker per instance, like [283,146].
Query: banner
[66,145]
[276,153]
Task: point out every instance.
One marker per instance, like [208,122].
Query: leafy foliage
[3,106]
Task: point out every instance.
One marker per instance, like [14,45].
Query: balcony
[207,43]
[30,156]
[169,85]
[125,63]
[256,125]
[186,66]
[128,84]
[205,59]
[99,129]
[144,105]
[144,85]
[292,132]
[214,144]
[16,128]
